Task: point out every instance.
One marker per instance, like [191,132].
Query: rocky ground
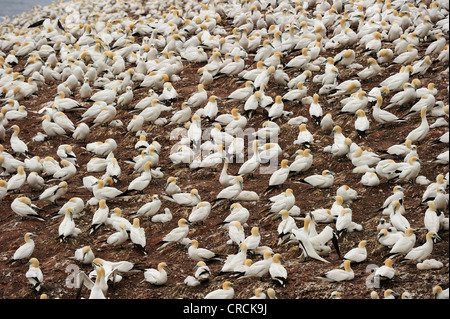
[56,257]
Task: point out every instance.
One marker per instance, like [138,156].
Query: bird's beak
[95,265]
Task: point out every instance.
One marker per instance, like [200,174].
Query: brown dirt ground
[55,256]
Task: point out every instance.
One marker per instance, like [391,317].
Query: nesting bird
[201,80]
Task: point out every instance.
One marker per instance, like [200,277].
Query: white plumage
[176,235]
[25,250]
[226,292]
[34,274]
[420,253]
[157,276]
[325,180]
[337,275]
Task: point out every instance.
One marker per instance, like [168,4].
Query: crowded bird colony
[225,149]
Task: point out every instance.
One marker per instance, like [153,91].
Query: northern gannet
[372,69]
[242,93]
[370,179]
[102,148]
[420,253]
[197,253]
[285,200]
[85,255]
[177,234]
[304,137]
[226,292]
[66,172]
[119,237]
[335,295]
[138,237]
[185,199]
[234,260]
[100,191]
[404,244]
[336,275]
[97,291]
[17,145]
[439,293]
[286,226]
[426,100]
[385,56]
[253,240]
[142,181]
[149,209]
[322,215]
[302,236]
[157,276]
[302,162]
[259,293]
[279,176]
[202,273]
[361,123]
[389,236]
[100,216]
[357,101]
[236,233]
[347,193]
[325,180]
[261,267]
[23,207]
[408,171]
[390,294]
[344,222]
[81,131]
[231,192]
[357,254]
[431,220]
[407,57]
[237,213]
[381,115]
[67,227]
[422,130]
[430,191]
[396,217]
[395,82]
[346,88]
[385,272]
[398,193]
[252,164]
[34,274]
[25,250]
[17,181]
